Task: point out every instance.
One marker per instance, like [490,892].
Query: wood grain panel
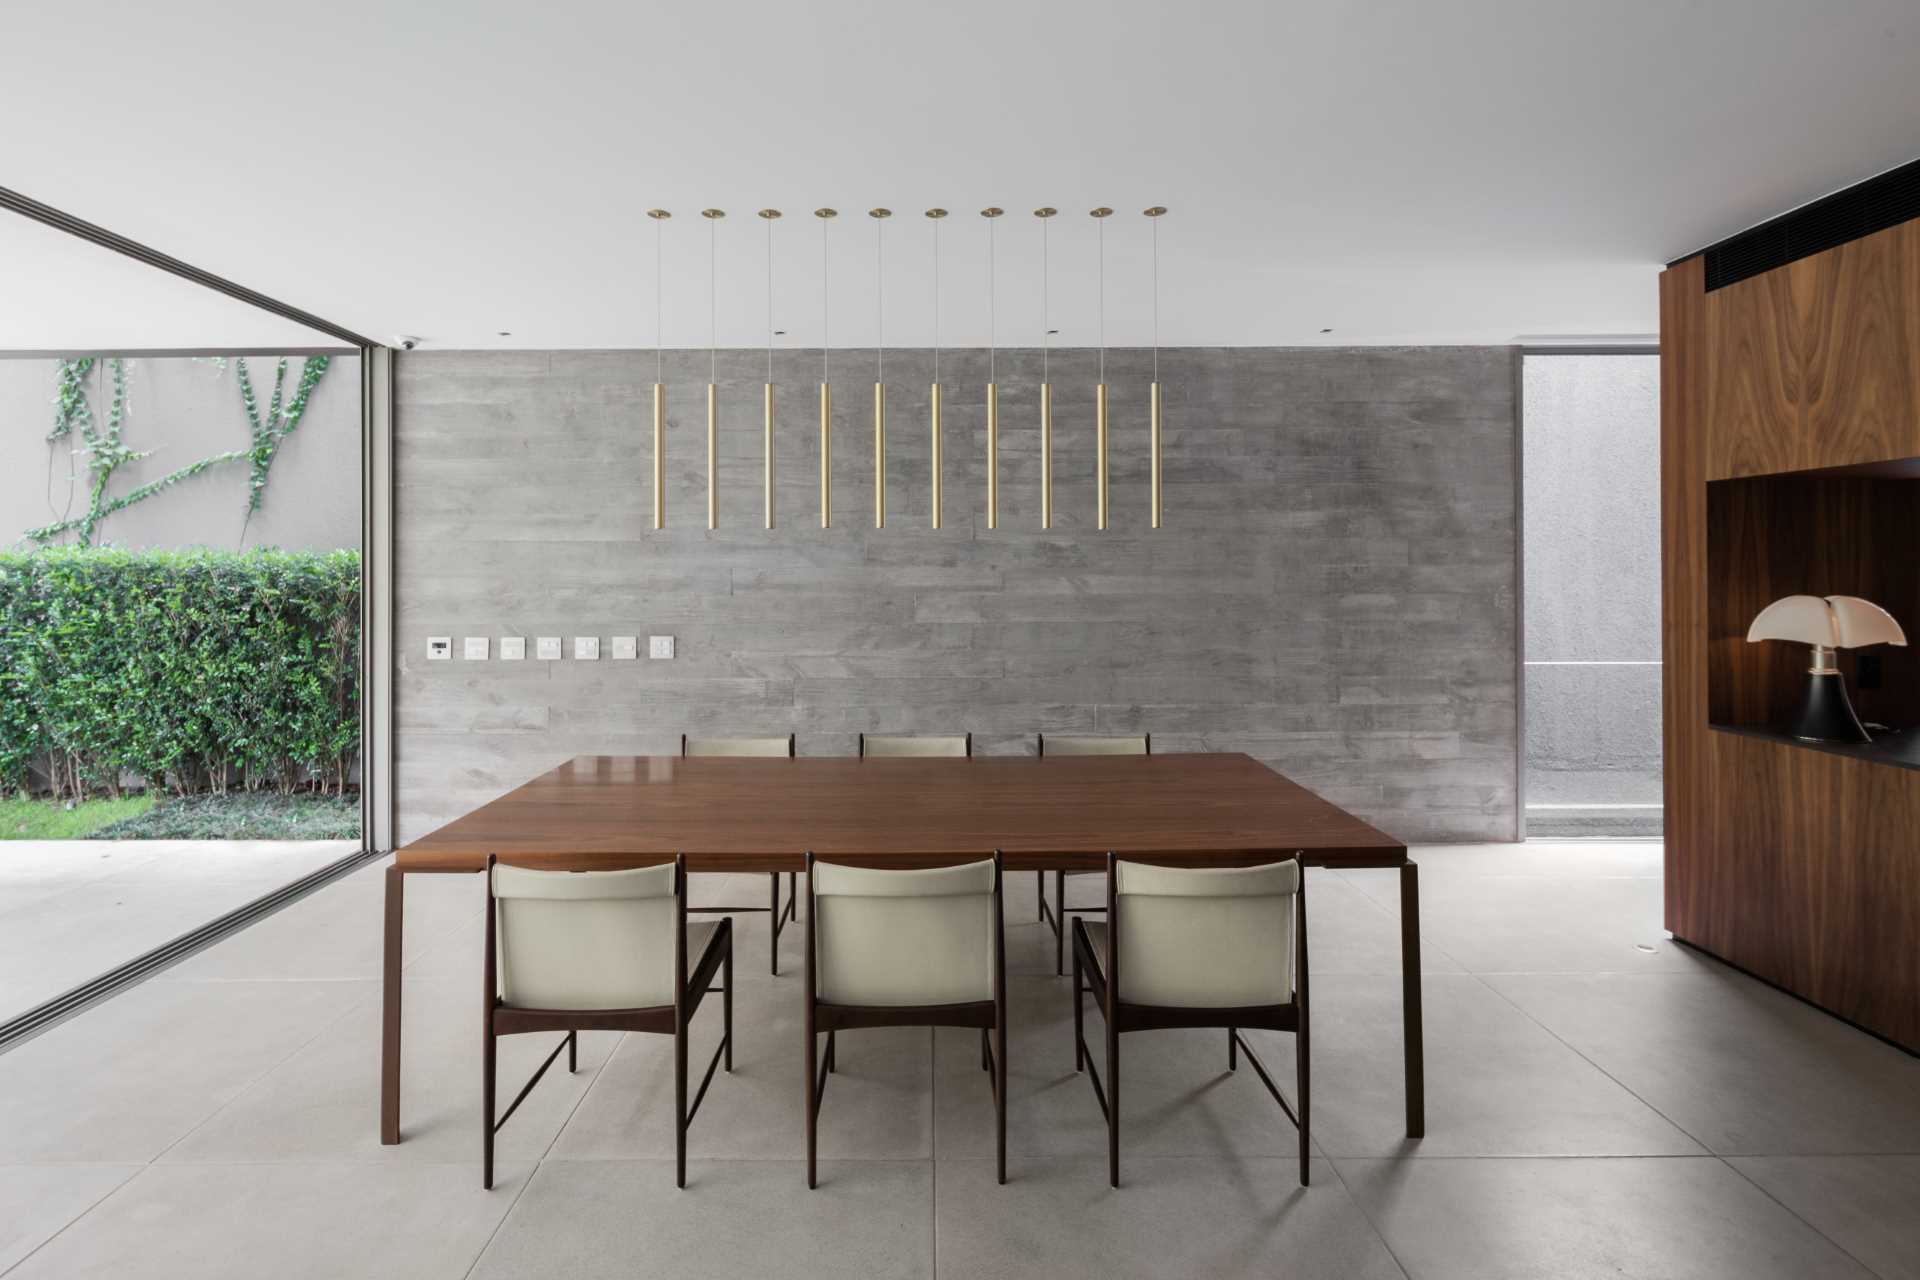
[1857,320]
[1683,573]
[1753,376]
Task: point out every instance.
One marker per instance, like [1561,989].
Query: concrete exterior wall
[1333,589]
[1592,482]
[182,409]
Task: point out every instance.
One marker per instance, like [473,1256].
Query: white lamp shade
[1837,622]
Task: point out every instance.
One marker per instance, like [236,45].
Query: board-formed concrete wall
[182,409]
[1333,590]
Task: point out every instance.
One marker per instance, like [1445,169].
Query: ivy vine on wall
[104,452]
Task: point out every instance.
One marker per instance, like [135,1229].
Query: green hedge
[196,670]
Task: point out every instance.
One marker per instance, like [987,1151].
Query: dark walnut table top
[1062,812]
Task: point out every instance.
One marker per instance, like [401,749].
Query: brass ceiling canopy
[657,214]
[879,213]
[769,214]
[713,213]
[1045,211]
[1156,211]
[936,213]
[992,211]
[826,213]
[1102,212]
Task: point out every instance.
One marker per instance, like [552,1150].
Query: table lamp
[1829,623]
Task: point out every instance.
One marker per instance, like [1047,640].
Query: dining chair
[581,951]
[1195,947]
[891,744]
[767,747]
[1074,744]
[900,948]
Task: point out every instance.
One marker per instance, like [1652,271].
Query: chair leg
[1113,1105]
[573,1052]
[726,997]
[1233,1050]
[830,1053]
[986,1054]
[1079,1016]
[1040,895]
[680,1104]
[813,1112]
[1060,919]
[1000,1084]
[773,928]
[488,1062]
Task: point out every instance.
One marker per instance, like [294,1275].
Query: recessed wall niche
[1840,531]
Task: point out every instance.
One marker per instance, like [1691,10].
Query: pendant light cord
[880,300]
[1101,223]
[1156,299]
[713,304]
[658,310]
[1046,304]
[992,303]
[769,222]
[936,300]
[824,296]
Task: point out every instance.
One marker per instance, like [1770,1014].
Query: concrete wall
[1333,590]
[1592,481]
[182,410]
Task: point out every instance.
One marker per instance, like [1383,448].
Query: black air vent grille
[1873,205]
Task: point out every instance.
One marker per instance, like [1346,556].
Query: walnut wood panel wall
[1800,866]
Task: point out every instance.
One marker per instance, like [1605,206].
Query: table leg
[1410,1000]
[390,1011]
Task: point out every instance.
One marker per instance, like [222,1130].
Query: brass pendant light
[767,482]
[826,390]
[1046,383]
[933,395]
[880,367]
[713,217]
[659,217]
[1156,213]
[1100,391]
[993,388]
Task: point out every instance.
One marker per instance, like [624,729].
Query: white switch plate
[439,648]
[513,648]
[547,648]
[586,648]
[625,648]
[475,649]
[659,646]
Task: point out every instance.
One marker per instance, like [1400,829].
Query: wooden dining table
[1062,813]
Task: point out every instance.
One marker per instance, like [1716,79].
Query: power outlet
[659,646]
[586,648]
[547,648]
[513,648]
[626,648]
[439,648]
[475,649]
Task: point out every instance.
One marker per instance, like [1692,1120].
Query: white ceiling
[1468,171]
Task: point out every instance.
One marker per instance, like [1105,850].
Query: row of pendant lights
[880,216]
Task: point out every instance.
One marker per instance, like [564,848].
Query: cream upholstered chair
[1195,947]
[1075,744]
[922,948]
[581,951]
[769,747]
[889,744]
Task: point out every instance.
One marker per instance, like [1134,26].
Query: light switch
[475,649]
[586,648]
[439,648]
[513,648]
[547,648]
[626,648]
[659,646]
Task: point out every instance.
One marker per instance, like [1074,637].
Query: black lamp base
[1825,713]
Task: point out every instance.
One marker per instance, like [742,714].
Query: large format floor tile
[1743,1068]
[594,1218]
[36,1201]
[1206,1216]
[1497,1082]
[1686,1219]
[1868,1205]
[292,1222]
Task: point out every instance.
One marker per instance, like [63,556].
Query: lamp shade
[1836,622]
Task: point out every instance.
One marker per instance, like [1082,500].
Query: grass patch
[30,819]
[254,815]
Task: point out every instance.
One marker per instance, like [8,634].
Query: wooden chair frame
[780,915]
[990,1016]
[1056,917]
[1100,977]
[689,989]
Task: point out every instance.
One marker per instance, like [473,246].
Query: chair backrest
[1075,744]
[889,744]
[904,937]
[1204,938]
[586,939]
[736,746]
